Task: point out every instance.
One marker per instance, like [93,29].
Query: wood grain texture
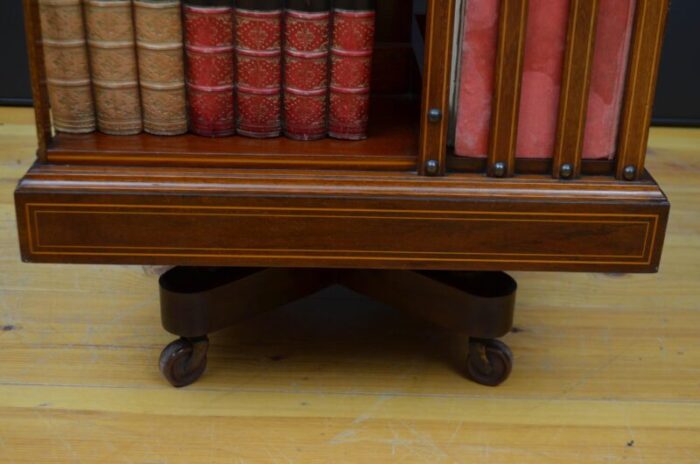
[503,137]
[284,218]
[605,369]
[645,56]
[37,71]
[575,87]
[436,85]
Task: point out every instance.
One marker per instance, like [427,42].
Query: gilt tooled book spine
[161,66]
[306,49]
[259,67]
[67,66]
[351,68]
[110,31]
[209,40]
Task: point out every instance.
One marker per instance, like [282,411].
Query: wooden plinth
[87,214]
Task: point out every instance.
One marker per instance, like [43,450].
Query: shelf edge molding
[337,220]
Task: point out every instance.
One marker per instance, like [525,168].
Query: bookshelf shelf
[409,129]
[392,145]
[400,202]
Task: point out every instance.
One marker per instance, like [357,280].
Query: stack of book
[258,68]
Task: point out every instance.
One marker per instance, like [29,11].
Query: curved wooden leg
[478,306]
[198,301]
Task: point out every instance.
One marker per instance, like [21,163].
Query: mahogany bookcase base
[196,301]
[407,240]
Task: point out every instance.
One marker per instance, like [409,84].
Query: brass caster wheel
[489,362]
[183,361]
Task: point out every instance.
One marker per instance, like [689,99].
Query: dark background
[677,97]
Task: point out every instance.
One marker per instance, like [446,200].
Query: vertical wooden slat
[575,88]
[436,87]
[650,22]
[32,27]
[509,72]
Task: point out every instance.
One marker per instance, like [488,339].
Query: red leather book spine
[351,68]
[210,77]
[306,48]
[259,69]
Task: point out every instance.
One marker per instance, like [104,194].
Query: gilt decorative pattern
[209,35]
[66,64]
[161,66]
[259,72]
[351,65]
[110,33]
[306,46]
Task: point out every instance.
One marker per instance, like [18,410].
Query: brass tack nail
[432,167]
[566,171]
[434,115]
[499,169]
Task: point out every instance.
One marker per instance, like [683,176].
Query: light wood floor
[607,366]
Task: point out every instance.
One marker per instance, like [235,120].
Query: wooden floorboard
[607,366]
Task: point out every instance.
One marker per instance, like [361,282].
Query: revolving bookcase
[252,224]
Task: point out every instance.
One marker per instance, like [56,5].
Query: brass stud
[566,171]
[432,167]
[434,115]
[499,169]
[630,173]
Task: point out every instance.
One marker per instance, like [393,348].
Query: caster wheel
[489,362]
[183,361]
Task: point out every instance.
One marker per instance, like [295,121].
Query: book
[161,66]
[259,67]
[67,66]
[209,49]
[110,33]
[545,44]
[306,53]
[352,47]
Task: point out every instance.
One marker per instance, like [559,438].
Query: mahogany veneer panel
[280,218]
[392,144]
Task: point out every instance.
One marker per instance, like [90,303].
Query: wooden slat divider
[575,89]
[436,87]
[507,89]
[650,21]
[32,27]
